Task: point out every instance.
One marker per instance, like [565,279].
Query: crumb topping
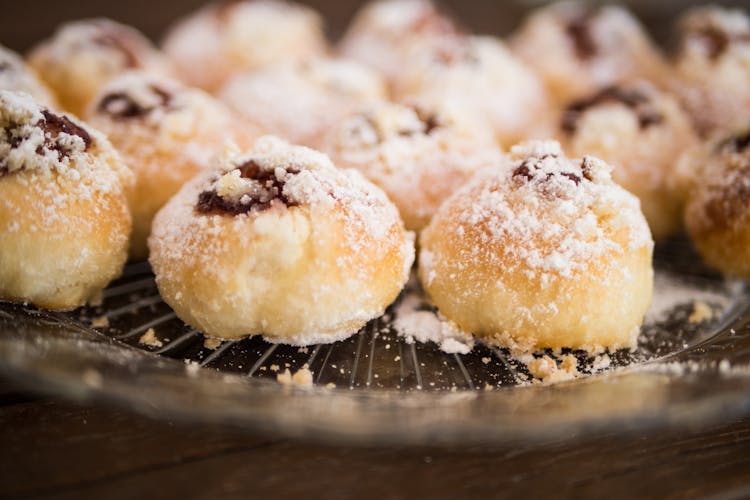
[274,174]
[637,100]
[35,138]
[14,75]
[386,122]
[549,215]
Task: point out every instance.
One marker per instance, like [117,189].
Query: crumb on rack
[302,377]
[100,322]
[701,312]
[547,370]
[274,368]
[211,343]
[149,338]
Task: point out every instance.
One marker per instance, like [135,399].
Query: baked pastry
[418,155]
[15,75]
[383,31]
[64,220]
[166,133]
[541,251]
[578,48]
[712,68]
[281,243]
[83,55]
[226,38]
[642,131]
[300,101]
[717,214]
[479,74]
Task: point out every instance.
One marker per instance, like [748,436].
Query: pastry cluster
[281,185]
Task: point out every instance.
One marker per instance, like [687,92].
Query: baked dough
[64,220]
[83,55]
[541,251]
[166,133]
[578,48]
[301,101]
[717,215]
[16,75]
[226,38]
[644,133]
[281,243]
[418,155]
[712,68]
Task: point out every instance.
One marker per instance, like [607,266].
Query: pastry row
[527,248]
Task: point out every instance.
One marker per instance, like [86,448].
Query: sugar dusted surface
[16,76]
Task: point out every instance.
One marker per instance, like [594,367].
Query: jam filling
[271,189]
[121,105]
[53,125]
[579,31]
[530,169]
[633,99]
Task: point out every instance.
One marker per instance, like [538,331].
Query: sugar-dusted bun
[717,215]
[541,252]
[84,55]
[300,101]
[166,133]
[644,133]
[383,31]
[713,68]
[17,76]
[64,220]
[419,155]
[279,242]
[480,74]
[226,38]
[578,48]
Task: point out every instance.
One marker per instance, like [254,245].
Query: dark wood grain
[53,449]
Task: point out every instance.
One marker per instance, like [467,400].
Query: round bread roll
[84,55]
[717,215]
[418,155]
[226,38]
[712,68]
[64,220]
[642,131]
[16,76]
[578,48]
[301,101]
[281,243]
[481,75]
[541,252]
[166,133]
[383,31]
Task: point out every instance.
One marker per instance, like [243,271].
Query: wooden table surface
[56,449]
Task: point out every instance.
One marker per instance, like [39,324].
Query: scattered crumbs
[701,312]
[97,299]
[601,362]
[302,350]
[376,376]
[192,367]
[262,368]
[287,365]
[545,369]
[388,346]
[302,377]
[92,378]
[414,323]
[397,359]
[149,339]
[341,370]
[211,343]
[334,366]
[330,385]
[274,368]
[488,387]
[486,360]
[100,322]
